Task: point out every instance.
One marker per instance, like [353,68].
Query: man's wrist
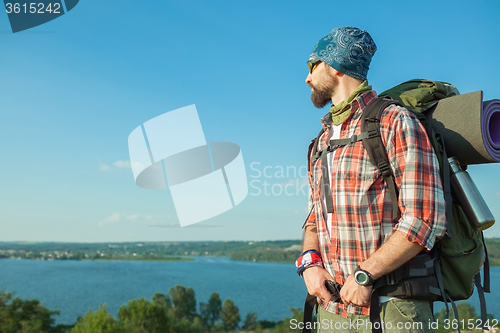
[363,277]
[308,259]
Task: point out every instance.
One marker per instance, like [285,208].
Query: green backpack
[460,254]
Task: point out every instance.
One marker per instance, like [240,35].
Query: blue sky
[74,88]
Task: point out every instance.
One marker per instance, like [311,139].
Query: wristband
[308,259]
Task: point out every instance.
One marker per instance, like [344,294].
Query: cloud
[498,194]
[117,217]
[117,165]
[110,220]
[122,164]
[104,167]
[132,217]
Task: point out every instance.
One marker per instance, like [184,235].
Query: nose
[308,78]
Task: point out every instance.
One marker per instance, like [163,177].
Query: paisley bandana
[348,50]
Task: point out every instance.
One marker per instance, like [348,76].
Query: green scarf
[341,111]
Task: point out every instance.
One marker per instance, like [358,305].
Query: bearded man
[351,237]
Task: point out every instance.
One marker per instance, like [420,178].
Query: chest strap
[332,146]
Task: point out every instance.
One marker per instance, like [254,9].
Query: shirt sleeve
[416,170]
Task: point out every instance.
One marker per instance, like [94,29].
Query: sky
[73,89]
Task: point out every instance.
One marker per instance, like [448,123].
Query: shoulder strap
[309,306]
[313,149]
[370,123]
[372,142]
[485,288]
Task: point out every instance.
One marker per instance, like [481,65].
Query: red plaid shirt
[362,218]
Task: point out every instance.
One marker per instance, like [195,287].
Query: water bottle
[473,204]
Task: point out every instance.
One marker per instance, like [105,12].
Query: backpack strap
[313,150]
[314,154]
[413,280]
[372,142]
[485,288]
[309,306]
[370,123]
[486,268]
[439,277]
[332,146]
[446,181]
[482,301]
[425,119]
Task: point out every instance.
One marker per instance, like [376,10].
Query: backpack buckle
[390,279]
[373,133]
[384,168]
[332,148]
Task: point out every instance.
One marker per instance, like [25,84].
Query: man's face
[322,83]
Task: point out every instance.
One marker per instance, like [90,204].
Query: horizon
[175,241]
[187,241]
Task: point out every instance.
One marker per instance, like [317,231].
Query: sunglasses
[312,64]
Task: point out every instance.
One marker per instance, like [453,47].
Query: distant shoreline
[109,259]
[137,259]
[286,251]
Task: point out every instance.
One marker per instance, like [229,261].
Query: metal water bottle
[473,204]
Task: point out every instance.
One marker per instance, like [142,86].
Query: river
[73,287]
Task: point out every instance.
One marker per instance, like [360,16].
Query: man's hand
[353,293]
[315,278]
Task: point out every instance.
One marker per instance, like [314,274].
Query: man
[350,227]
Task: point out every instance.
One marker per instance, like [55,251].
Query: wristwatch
[363,278]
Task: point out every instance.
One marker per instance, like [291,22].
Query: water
[73,287]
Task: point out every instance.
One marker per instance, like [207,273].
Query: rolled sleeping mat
[491,127]
[470,127]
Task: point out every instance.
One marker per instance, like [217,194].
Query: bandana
[341,111]
[347,49]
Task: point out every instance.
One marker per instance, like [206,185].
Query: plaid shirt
[362,218]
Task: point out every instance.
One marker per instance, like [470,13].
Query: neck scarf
[343,110]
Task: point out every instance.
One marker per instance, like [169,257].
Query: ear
[336,72]
[333,71]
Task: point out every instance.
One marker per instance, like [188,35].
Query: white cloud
[498,194]
[122,164]
[104,167]
[110,220]
[132,217]
[138,166]
[136,218]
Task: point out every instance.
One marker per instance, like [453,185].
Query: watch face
[361,278]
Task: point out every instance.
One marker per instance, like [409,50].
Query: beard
[323,92]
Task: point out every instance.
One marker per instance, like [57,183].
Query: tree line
[175,312]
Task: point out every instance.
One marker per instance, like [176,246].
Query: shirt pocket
[353,171]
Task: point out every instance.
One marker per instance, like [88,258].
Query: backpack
[461,253]
[449,272]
